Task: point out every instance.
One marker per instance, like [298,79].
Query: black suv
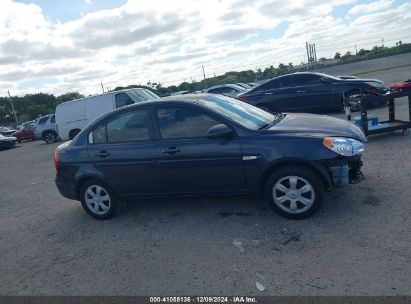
[309,92]
[208,145]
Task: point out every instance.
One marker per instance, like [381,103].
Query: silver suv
[45,128]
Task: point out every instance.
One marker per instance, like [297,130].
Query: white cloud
[371,7]
[168,41]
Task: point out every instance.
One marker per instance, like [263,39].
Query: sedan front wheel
[294,192]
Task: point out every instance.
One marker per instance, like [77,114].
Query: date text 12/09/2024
[203,299]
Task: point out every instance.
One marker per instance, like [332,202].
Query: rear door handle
[268,93]
[301,91]
[170,150]
[102,154]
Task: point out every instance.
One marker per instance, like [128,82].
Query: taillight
[56,160]
[242,98]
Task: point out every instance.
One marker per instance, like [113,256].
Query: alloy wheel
[293,194]
[50,138]
[97,199]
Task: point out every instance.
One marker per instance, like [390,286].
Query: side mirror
[220,131]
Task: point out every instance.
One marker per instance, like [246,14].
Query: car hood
[317,126]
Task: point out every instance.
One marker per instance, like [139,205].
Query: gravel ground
[358,244]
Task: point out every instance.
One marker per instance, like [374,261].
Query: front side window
[125,127]
[179,122]
[99,134]
[141,95]
[122,99]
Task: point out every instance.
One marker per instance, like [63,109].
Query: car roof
[230,85]
[98,95]
[176,98]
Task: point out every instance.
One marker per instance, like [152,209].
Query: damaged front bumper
[343,171]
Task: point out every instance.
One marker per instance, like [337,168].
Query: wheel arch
[319,171]
[82,180]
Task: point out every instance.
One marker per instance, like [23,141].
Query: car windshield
[242,113]
[141,94]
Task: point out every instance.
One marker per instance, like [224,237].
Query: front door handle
[301,91]
[170,150]
[268,93]
[102,154]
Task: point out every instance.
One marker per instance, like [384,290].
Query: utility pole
[12,107]
[356,50]
[308,55]
[102,87]
[205,80]
[312,55]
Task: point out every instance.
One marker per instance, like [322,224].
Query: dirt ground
[358,244]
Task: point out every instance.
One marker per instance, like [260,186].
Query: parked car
[243,85]
[230,90]
[73,116]
[6,131]
[26,132]
[347,77]
[309,92]
[45,128]
[7,141]
[205,144]
[27,123]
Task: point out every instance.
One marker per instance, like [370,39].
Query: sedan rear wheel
[294,192]
[98,200]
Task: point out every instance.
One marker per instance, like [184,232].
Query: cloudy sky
[57,46]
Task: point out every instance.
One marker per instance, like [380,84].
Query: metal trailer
[392,124]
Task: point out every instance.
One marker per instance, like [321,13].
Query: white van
[72,116]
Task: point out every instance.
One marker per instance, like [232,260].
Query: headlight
[343,145]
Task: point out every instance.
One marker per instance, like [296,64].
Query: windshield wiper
[278,118]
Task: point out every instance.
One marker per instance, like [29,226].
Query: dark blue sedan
[203,144]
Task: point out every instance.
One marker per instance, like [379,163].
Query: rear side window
[43,120]
[303,80]
[122,99]
[124,127]
[277,83]
[227,90]
[179,122]
[215,91]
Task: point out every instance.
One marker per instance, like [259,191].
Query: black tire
[50,137]
[73,133]
[264,107]
[85,197]
[305,176]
